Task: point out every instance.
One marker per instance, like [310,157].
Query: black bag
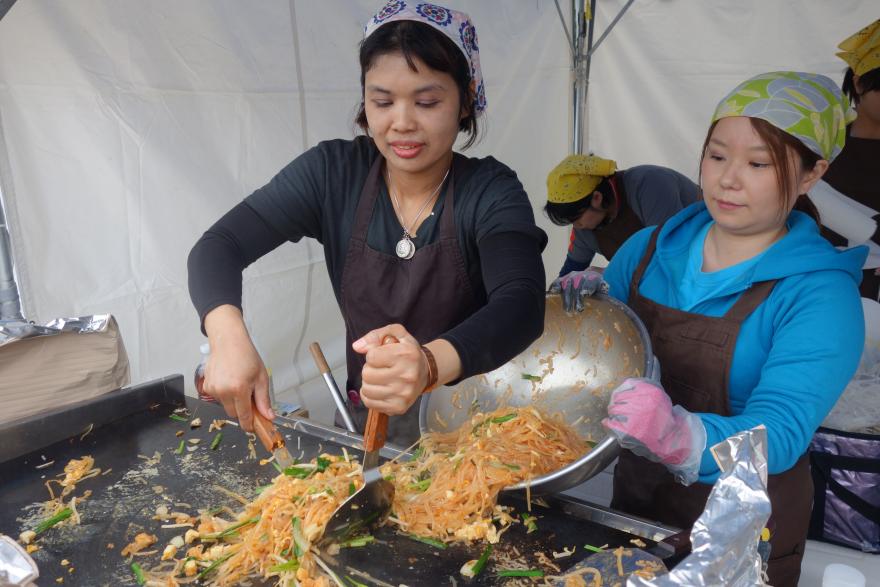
[846,479]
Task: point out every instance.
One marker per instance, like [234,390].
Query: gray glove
[577,285]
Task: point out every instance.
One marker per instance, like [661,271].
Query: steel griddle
[135,421]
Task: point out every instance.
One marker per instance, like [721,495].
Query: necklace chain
[407,231]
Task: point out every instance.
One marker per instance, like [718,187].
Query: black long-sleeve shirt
[316,196]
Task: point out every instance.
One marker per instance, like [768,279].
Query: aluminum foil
[13,331]
[17,568]
[725,537]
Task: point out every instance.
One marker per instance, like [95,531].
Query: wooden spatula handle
[266,430]
[376,430]
[318,355]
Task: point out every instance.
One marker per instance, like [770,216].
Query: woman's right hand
[235,372]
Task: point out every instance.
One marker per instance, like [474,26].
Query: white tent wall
[130,126]
[657,78]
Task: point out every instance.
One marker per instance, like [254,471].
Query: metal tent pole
[580,40]
[580,73]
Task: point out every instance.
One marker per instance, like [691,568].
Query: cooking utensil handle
[338,399]
[320,361]
[376,429]
[266,430]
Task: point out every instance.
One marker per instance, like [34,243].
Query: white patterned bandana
[452,23]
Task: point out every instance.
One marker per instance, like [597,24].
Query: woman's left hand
[642,417]
[396,374]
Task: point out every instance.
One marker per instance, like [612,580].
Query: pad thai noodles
[448,492]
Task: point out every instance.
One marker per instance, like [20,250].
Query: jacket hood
[802,250]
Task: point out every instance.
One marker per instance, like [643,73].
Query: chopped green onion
[177,418]
[418,452]
[262,488]
[138,574]
[520,573]
[593,548]
[426,540]
[388,477]
[498,465]
[502,419]
[322,464]
[300,544]
[357,541]
[291,565]
[351,487]
[180,448]
[216,442]
[231,529]
[298,472]
[481,562]
[529,522]
[49,522]
[277,466]
[355,583]
[529,377]
[210,568]
[420,486]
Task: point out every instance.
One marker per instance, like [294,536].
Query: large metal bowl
[571,370]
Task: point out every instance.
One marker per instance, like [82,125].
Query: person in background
[421,243]
[856,172]
[605,206]
[755,318]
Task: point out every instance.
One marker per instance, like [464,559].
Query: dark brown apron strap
[367,200]
[447,219]
[643,264]
[749,300]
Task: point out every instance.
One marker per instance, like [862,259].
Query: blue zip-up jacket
[795,353]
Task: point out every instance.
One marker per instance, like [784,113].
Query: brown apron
[624,224]
[428,294]
[695,354]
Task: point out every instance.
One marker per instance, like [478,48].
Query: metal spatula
[372,502]
[271,438]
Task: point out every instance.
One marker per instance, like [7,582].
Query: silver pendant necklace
[406,248]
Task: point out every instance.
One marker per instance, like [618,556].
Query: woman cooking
[754,317]
[421,243]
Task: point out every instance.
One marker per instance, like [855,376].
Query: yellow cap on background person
[576,177]
[861,51]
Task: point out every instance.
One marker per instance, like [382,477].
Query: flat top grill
[133,441]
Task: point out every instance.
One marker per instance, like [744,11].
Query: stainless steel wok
[571,369]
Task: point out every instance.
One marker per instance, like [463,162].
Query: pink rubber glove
[643,419]
[577,285]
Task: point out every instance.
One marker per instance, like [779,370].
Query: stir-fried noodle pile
[449,492]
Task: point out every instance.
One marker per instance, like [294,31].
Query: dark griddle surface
[123,501]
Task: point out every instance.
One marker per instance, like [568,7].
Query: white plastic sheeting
[128,127]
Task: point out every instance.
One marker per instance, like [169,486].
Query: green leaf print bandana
[808,106]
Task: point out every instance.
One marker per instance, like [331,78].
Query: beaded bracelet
[432,369]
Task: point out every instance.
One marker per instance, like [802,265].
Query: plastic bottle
[840,575]
[199,377]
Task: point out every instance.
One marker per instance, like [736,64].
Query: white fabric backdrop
[128,127]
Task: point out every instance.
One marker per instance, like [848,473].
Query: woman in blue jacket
[754,317]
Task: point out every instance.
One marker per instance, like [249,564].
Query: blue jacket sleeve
[816,335]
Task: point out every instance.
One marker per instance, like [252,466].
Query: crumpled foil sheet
[13,331]
[17,568]
[725,537]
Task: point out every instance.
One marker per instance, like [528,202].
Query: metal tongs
[372,502]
